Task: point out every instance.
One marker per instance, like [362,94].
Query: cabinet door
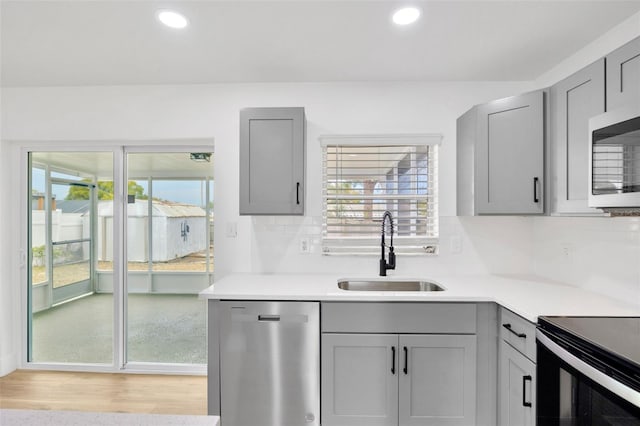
[272,161]
[437,380]
[517,388]
[623,75]
[510,155]
[359,379]
[574,101]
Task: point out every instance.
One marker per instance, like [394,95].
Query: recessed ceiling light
[172,19]
[406,16]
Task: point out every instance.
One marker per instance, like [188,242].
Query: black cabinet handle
[393,360]
[405,370]
[520,335]
[535,190]
[297,192]
[525,379]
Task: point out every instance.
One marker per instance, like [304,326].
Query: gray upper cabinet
[623,75]
[574,101]
[500,163]
[272,159]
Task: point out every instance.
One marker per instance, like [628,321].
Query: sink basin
[388,285]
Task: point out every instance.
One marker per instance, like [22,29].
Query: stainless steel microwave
[614,161]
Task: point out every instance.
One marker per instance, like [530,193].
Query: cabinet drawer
[519,333]
[364,317]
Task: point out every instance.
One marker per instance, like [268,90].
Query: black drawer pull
[406,360]
[525,379]
[520,335]
[297,192]
[393,360]
[535,190]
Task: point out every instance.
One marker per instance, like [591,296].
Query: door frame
[119,150]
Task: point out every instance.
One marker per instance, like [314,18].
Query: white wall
[608,42]
[9,289]
[211,111]
[601,254]
[268,244]
[107,115]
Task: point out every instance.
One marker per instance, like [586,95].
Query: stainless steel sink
[388,285]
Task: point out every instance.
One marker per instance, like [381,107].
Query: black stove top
[618,336]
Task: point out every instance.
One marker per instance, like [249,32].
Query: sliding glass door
[93,300]
[169,256]
[70,319]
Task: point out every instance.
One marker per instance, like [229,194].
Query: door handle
[520,335]
[297,192]
[393,360]
[405,370]
[535,190]
[525,379]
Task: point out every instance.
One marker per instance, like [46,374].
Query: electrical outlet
[566,250]
[305,245]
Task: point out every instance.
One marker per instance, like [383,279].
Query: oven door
[571,392]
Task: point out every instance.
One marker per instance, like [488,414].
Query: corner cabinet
[517,371]
[500,163]
[272,159]
[623,75]
[413,376]
[574,101]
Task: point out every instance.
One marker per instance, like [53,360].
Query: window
[365,175]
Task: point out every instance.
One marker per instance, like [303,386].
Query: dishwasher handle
[238,314]
[269,318]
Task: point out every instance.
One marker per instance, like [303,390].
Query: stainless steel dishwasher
[269,363]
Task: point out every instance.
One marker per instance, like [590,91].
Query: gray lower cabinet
[500,164]
[437,380]
[516,370]
[517,388]
[359,379]
[272,158]
[574,101]
[623,75]
[391,379]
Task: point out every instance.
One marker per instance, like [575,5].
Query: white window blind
[364,176]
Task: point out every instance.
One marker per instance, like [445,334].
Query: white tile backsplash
[600,254]
[483,245]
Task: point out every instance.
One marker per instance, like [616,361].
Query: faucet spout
[384,266]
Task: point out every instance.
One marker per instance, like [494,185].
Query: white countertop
[528,296]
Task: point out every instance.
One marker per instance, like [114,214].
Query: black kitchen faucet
[392,256]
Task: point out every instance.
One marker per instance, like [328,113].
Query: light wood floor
[125,393]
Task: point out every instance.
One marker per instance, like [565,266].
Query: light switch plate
[231,229]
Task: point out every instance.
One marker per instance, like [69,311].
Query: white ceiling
[54,43]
